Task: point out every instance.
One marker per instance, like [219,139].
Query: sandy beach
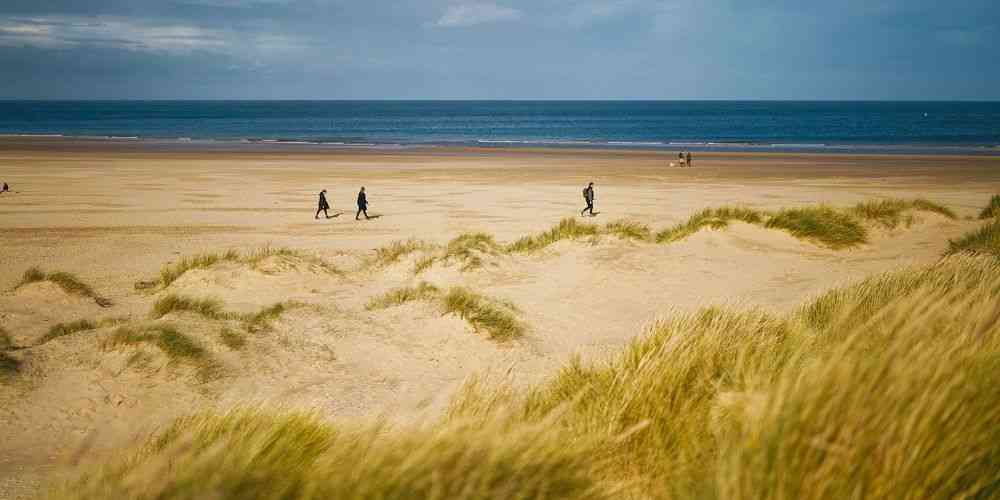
[114,215]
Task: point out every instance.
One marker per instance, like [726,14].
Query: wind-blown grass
[715,218]
[991,210]
[262,320]
[232,339]
[395,251]
[174,344]
[467,249]
[567,229]
[983,241]
[208,308]
[822,224]
[497,318]
[69,282]
[255,455]
[629,230]
[253,258]
[81,325]
[889,212]
[423,291]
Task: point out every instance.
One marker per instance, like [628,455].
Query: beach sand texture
[115,216]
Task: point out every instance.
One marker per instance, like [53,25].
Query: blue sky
[514,49]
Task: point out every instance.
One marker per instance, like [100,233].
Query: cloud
[470,14]
[113,33]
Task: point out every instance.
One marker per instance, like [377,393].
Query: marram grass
[992,209]
[822,224]
[982,241]
[69,282]
[903,402]
[714,218]
[252,258]
[421,292]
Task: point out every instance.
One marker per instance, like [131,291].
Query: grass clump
[467,249]
[983,241]
[497,318]
[173,343]
[255,455]
[629,230]
[395,251]
[567,228]
[992,210]
[714,218]
[80,325]
[262,320]
[208,308]
[253,258]
[889,212]
[822,224]
[399,296]
[8,365]
[69,282]
[232,339]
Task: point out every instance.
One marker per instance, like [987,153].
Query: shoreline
[61,142]
[57,143]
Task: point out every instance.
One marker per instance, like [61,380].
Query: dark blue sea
[697,125]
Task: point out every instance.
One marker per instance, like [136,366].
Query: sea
[807,126]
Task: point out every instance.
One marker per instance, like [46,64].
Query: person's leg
[357,215]
[365,210]
[318,210]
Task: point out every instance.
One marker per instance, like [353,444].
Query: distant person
[5,188]
[323,205]
[362,205]
[680,159]
[688,158]
[588,196]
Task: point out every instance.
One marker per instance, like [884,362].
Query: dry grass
[983,241]
[395,251]
[423,291]
[890,212]
[496,318]
[262,320]
[822,224]
[629,230]
[8,365]
[253,258]
[251,454]
[467,249]
[567,229]
[714,218]
[992,210]
[902,401]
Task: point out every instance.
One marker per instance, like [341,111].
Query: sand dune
[103,390]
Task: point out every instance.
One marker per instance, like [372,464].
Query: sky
[508,49]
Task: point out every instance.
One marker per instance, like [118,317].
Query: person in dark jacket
[362,205]
[588,196]
[323,205]
[5,188]
[688,158]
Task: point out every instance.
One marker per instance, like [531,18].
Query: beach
[114,214]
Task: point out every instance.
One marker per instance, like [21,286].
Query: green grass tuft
[991,210]
[567,229]
[983,241]
[822,224]
[629,230]
[399,296]
[209,308]
[714,218]
[69,282]
[174,344]
[496,318]
[63,329]
[889,212]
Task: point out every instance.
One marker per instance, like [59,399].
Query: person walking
[688,158]
[680,159]
[5,188]
[588,196]
[362,205]
[323,205]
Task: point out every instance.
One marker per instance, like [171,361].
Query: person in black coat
[362,205]
[323,205]
[588,198]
